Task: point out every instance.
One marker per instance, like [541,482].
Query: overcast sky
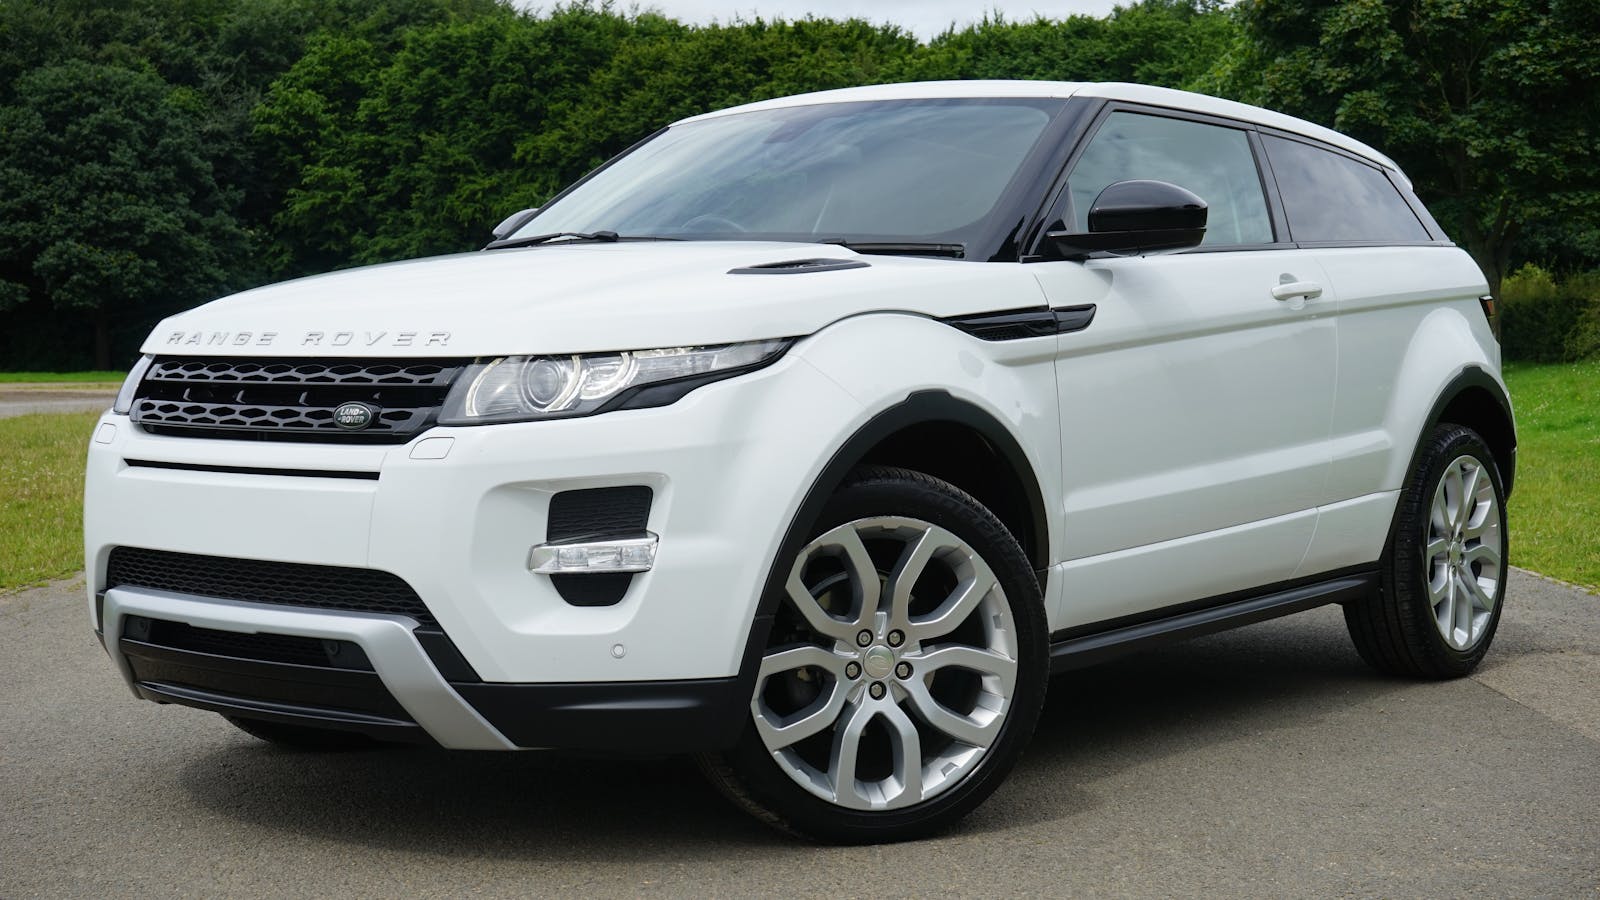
[924,18]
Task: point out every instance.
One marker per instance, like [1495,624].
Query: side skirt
[1078,648]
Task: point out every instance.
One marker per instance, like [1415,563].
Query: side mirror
[1137,217]
[509,225]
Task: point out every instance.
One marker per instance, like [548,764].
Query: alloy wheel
[891,668]
[1464,550]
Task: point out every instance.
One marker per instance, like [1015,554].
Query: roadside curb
[1580,588]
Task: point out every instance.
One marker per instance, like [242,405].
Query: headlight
[130,385]
[519,388]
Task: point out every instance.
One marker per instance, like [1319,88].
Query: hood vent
[797,266]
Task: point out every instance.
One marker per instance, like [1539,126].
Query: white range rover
[810,437]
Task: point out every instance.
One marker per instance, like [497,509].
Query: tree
[108,205]
[1489,105]
[666,71]
[1171,43]
[419,147]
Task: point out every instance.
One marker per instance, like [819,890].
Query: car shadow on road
[1205,694]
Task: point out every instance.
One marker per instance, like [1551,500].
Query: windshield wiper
[604,237]
[903,248]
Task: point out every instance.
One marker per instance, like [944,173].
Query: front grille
[324,371]
[291,399]
[259,581]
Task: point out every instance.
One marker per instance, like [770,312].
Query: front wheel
[1443,575]
[904,672]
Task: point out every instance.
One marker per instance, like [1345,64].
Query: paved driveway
[1266,762]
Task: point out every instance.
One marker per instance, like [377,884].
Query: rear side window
[1329,197]
[1212,161]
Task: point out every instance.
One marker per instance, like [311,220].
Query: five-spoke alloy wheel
[904,669]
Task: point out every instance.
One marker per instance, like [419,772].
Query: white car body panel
[1349,533]
[1185,432]
[1408,322]
[1011,381]
[573,299]
[1243,394]
[1150,576]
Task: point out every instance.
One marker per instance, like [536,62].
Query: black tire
[751,775]
[303,738]
[1397,628]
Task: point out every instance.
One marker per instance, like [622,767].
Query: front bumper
[396,657]
[656,717]
[454,514]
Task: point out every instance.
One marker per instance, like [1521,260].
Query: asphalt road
[1264,762]
[15,401]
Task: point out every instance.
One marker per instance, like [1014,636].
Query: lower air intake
[260,581]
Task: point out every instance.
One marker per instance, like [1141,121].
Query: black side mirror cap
[1137,217]
[509,225]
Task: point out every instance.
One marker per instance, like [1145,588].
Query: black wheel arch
[1474,399]
[920,409]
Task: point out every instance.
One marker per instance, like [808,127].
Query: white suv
[811,436]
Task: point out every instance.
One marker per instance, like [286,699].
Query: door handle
[1310,290]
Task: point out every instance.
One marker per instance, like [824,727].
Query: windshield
[925,171]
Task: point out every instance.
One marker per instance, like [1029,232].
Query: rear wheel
[1444,572]
[904,672]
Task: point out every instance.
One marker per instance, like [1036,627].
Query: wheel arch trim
[918,408]
[1473,378]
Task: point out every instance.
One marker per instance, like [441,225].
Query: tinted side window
[1210,160]
[1329,197]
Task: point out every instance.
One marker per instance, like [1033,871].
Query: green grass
[1555,506]
[113,378]
[41,496]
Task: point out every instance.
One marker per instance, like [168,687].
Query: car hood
[575,298]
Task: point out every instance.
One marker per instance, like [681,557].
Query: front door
[1196,405]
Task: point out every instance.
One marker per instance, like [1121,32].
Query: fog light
[635,554]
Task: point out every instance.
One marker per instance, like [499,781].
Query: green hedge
[1545,320]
